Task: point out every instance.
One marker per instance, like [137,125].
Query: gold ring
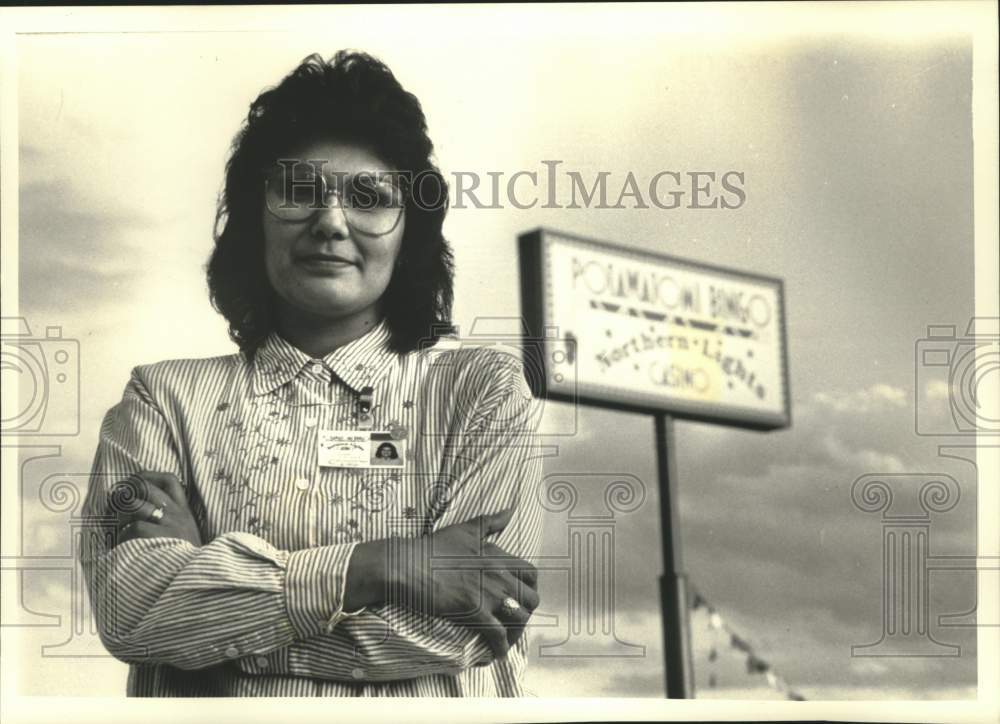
[157,515]
[510,605]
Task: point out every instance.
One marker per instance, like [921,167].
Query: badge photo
[387,451]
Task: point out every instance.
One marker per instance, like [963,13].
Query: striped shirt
[246,613]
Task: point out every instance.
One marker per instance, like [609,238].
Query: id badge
[360,449]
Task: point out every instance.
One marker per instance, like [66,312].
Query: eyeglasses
[372,203]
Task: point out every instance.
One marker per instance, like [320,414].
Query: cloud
[770,535]
[871,398]
[59,241]
[865,458]
[938,390]
[724,673]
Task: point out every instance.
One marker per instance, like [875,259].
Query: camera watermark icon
[46,370]
[548,361]
[957,379]
[907,561]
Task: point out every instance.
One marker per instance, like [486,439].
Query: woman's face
[384,452]
[322,266]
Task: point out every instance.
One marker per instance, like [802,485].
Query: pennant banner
[754,663]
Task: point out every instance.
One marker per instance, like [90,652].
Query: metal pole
[673,588]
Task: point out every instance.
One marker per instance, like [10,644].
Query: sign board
[628,329]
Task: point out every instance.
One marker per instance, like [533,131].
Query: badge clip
[365,400]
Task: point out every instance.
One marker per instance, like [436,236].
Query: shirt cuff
[314,586]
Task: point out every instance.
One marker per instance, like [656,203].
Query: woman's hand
[153,505]
[452,573]
[469,580]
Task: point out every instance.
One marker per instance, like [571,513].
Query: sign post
[624,329]
[673,582]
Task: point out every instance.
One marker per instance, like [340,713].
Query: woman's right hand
[455,574]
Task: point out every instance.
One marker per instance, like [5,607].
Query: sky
[857,155]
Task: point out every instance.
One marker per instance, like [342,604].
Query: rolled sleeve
[314,588]
[164,600]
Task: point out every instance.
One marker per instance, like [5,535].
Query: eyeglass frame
[326,191]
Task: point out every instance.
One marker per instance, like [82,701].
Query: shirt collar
[359,363]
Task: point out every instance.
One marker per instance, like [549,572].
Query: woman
[386,454]
[243,554]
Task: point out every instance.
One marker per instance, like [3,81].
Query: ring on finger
[510,605]
[156,515]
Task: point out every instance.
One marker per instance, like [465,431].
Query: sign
[628,329]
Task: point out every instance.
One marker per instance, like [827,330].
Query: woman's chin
[327,306]
[325,299]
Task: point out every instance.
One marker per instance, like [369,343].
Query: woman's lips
[323,263]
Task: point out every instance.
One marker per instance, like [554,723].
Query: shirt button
[316,367]
[310,422]
[261,661]
[358,673]
[302,484]
[232,652]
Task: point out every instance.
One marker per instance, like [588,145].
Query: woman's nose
[330,222]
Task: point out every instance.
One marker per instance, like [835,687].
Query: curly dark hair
[352,97]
